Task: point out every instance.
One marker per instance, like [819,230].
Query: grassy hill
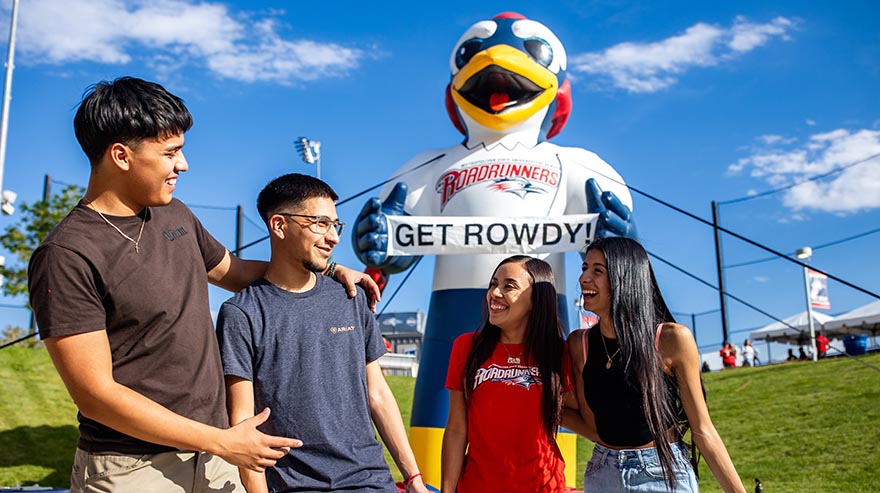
[800,427]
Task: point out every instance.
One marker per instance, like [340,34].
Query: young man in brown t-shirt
[119,294]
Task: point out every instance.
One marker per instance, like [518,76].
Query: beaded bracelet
[331,270]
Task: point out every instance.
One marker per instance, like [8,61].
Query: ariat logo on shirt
[336,330]
[173,234]
[523,376]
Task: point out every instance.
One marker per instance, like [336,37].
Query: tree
[35,221]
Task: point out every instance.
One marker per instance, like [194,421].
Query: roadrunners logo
[522,376]
[519,179]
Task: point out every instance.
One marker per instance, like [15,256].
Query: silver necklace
[129,238]
[513,360]
[608,364]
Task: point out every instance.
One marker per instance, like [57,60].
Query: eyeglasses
[320,224]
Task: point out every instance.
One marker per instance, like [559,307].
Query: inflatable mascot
[508,95]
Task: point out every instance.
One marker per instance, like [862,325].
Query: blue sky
[690,101]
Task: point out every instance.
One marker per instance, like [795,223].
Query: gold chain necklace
[129,238]
[608,364]
[510,358]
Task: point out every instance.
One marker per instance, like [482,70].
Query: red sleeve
[567,376]
[461,348]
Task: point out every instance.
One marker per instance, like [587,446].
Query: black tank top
[615,401]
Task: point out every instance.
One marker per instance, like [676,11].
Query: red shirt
[728,357]
[822,344]
[508,449]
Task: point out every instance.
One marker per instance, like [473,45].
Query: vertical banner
[818,290]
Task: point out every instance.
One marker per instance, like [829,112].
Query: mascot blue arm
[370,237]
[508,95]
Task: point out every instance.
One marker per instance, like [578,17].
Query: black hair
[289,192]
[544,344]
[637,308]
[128,110]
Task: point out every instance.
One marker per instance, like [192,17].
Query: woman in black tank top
[638,381]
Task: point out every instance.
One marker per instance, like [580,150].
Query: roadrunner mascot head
[508,77]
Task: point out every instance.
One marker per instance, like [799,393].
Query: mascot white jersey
[508,94]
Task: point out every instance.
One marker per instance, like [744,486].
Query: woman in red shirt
[508,383]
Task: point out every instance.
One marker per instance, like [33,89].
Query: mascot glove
[615,218]
[370,236]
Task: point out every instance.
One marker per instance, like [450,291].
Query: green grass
[37,421]
[800,427]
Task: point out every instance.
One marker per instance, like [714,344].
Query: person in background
[638,381]
[293,341]
[791,356]
[508,385]
[706,368]
[119,290]
[802,355]
[728,355]
[749,354]
[822,344]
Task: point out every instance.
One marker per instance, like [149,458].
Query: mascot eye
[467,50]
[540,50]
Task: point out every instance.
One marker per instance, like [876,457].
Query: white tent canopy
[862,320]
[780,332]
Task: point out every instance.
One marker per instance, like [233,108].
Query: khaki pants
[172,472]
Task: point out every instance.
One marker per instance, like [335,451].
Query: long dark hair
[637,307]
[544,342]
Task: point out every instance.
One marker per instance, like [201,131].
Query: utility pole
[47,189]
[720,265]
[239,216]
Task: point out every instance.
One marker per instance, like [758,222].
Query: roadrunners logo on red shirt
[522,376]
[521,178]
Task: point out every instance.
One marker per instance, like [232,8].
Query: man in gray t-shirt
[295,343]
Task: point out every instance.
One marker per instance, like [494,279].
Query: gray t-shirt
[306,354]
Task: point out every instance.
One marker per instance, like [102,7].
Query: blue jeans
[627,470]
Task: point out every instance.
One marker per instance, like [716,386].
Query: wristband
[331,270]
[411,479]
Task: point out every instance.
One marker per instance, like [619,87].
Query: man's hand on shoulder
[351,278]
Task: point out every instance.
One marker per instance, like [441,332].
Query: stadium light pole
[804,254]
[8,197]
[310,151]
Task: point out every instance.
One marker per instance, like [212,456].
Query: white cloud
[169,34]
[746,36]
[651,67]
[771,139]
[856,187]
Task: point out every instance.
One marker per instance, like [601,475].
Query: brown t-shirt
[154,306]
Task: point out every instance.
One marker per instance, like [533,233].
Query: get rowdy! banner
[437,235]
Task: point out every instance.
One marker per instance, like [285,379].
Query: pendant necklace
[510,358]
[129,238]
[608,364]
